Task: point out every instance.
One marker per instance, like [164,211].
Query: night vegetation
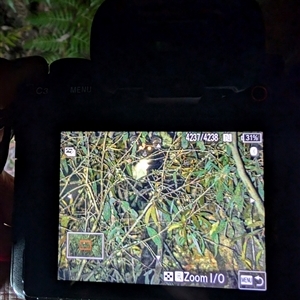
[196,211]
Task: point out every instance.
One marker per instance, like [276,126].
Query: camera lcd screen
[162,208]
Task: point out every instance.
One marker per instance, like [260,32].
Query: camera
[159,167]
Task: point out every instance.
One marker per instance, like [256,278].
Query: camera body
[146,74]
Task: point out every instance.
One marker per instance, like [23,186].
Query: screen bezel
[37,212]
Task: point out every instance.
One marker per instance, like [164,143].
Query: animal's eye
[149,148]
[141,147]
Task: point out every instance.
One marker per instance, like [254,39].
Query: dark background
[31,28]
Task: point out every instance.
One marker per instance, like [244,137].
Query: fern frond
[55,19]
[11,4]
[9,38]
[80,41]
[44,44]
[65,29]
[69,3]
[72,54]
[96,3]
[50,56]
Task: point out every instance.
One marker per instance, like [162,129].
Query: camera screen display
[162,208]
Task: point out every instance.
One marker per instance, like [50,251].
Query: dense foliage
[194,211]
[53,29]
[64,30]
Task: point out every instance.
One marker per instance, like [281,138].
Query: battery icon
[251,137]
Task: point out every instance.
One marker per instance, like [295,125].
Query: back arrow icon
[260,281]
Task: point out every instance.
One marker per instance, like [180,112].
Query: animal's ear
[133,139]
[156,142]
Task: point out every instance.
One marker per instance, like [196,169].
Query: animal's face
[147,156]
[147,148]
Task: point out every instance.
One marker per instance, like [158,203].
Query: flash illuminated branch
[245,178]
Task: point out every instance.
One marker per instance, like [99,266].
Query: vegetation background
[60,28]
[195,212]
[52,28]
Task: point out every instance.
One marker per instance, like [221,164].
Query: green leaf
[222,226]
[261,191]
[163,210]
[225,160]
[143,136]
[215,238]
[173,207]
[207,181]
[195,243]
[166,139]
[244,248]
[230,232]
[133,150]
[147,276]
[184,142]
[219,195]
[84,150]
[94,187]
[199,173]
[65,166]
[64,221]
[196,222]
[125,205]
[133,213]
[125,136]
[226,169]
[181,241]
[202,245]
[147,215]
[154,236]
[208,165]
[11,5]
[44,44]
[255,224]
[154,215]
[214,228]
[174,226]
[228,150]
[106,211]
[183,233]
[201,145]
[128,168]
[258,257]
[202,201]
[114,232]
[203,221]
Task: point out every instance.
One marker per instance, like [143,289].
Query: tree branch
[245,178]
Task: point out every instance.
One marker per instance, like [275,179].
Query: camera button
[71,76]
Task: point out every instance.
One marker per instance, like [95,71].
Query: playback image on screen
[162,208]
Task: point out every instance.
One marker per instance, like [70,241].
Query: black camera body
[192,67]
